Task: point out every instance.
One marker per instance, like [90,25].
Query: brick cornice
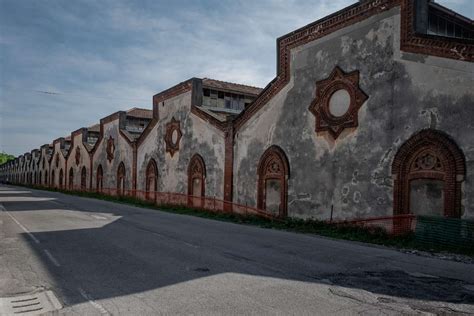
[410,42]
[176,90]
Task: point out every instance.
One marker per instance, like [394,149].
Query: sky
[66,64]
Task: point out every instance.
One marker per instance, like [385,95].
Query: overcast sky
[98,57]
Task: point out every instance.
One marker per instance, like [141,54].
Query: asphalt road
[105,258]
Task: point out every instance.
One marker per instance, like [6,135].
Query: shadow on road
[136,250]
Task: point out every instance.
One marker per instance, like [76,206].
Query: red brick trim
[429,45]
[348,16]
[325,121]
[171,127]
[176,90]
[273,165]
[220,125]
[445,47]
[228,166]
[451,169]
[196,170]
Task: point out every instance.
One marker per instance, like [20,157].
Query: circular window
[339,102]
[174,137]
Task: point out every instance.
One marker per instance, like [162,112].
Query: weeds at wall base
[305,226]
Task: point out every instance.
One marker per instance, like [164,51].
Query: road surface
[99,257]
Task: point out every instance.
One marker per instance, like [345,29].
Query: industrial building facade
[370,114]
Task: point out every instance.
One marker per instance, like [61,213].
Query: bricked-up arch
[196,176]
[99,178]
[61,178]
[71,179]
[273,169]
[429,154]
[151,179]
[83,178]
[121,179]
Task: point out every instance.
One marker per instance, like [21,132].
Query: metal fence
[209,204]
[391,225]
[445,232]
[431,231]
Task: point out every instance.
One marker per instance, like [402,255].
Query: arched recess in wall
[53,179]
[121,179]
[99,178]
[196,176]
[151,184]
[45,177]
[61,177]
[40,178]
[71,179]
[428,171]
[273,174]
[83,178]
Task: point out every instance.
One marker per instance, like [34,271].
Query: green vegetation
[322,228]
[5,157]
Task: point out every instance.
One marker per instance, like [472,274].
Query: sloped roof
[140,113]
[229,86]
[94,128]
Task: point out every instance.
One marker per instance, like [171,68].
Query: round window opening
[174,137]
[339,103]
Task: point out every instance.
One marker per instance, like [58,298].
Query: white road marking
[50,256]
[99,217]
[19,224]
[97,306]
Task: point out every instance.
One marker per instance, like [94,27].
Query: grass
[308,226]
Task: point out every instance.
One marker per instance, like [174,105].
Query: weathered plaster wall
[44,170]
[56,169]
[123,153]
[406,92]
[84,161]
[199,137]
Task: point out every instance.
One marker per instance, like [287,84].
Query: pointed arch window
[151,180]
[83,178]
[273,174]
[71,179]
[428,171]
[121,179]
[99,178]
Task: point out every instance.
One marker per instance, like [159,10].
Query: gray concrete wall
[84,161]
[61,165]
[123,153]
[407,93]
[199,137]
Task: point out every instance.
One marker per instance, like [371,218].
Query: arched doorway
[83,178]
[121,179]
[99,178]
[61,177]
[46,178]
[40,180]
[53,179]
[273,174]
[151,180]
[428,170]
[71,179]
[196,180]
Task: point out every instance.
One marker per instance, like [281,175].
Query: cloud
[104,56]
